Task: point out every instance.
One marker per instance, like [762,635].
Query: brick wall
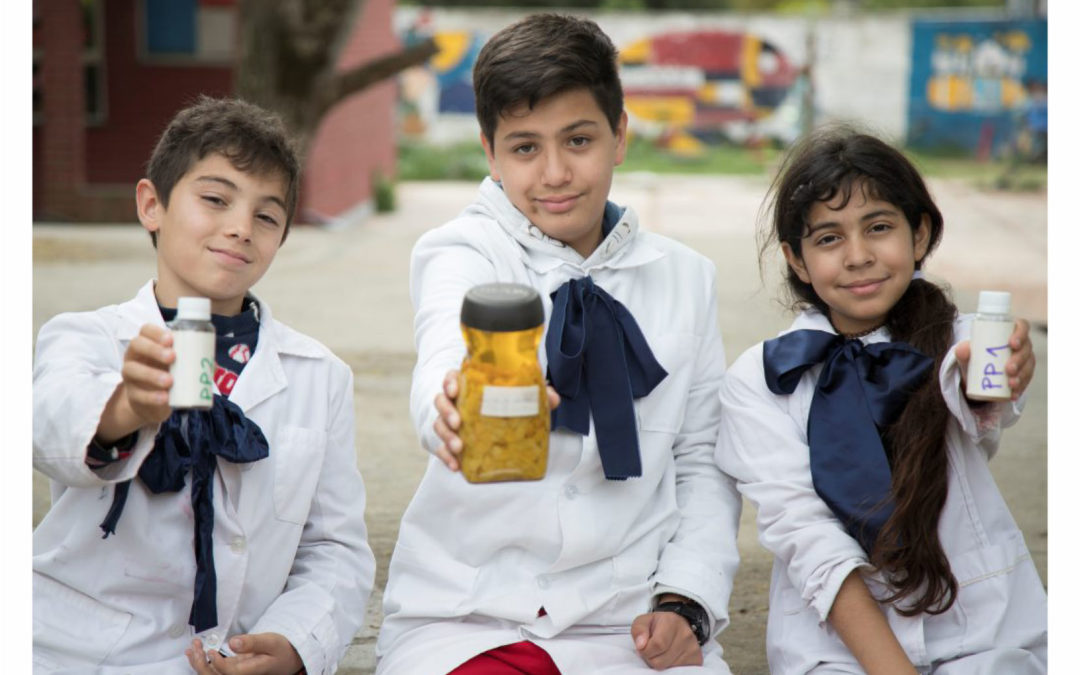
[89,173]
[58,147]
[141,99]
[356,138]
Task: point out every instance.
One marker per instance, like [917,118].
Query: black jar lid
[502,307]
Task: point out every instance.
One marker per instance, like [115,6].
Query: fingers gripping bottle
[990,351]
[193,342]
[502,395]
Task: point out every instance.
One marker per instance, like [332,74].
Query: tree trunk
[288,50]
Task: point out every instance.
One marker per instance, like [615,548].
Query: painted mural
[682,89]
[979,86]
[697,86]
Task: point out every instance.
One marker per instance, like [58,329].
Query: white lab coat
[474,563]
[290,544]
[999,619]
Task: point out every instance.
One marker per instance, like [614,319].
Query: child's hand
[142,398]
[449,420]
[665,640]
[262,653]
[1021,364]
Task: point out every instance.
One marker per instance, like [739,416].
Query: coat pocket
[1001,603]
[663,409]
[72,629]
[297,454]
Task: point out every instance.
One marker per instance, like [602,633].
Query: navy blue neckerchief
[861,390]
[192,439]
[599,362]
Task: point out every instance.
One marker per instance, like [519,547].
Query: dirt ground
[348,287]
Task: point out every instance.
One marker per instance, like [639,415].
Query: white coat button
[571,491]
[213,640]
[238,545]
[177,630]
[542,582]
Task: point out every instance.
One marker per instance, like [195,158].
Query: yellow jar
[502,394]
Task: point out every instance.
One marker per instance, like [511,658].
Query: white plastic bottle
[193,341]
[990,351]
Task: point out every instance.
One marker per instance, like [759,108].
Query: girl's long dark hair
[841,161]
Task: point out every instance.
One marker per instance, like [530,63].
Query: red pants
[520,658]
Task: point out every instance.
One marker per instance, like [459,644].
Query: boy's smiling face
[219,234]
[555,163]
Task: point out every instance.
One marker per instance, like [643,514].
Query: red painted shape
[708,50]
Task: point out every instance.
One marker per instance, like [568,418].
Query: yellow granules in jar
[502,395]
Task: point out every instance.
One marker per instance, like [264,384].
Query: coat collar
[812,319]
[622,247]
[262,377]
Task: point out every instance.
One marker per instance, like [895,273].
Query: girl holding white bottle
[851,432]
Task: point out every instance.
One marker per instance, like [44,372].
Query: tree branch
[374,71]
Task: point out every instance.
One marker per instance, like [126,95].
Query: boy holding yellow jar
[621,559]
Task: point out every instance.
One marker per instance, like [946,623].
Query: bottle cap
[194,309]
[502,307]
[994,302]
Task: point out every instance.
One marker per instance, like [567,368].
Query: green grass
[715,159]
[997,174]
[462,161]
[465,161]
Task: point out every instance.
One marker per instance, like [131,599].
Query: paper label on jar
[510,401]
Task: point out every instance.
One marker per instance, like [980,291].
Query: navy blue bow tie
[861,390]
[599,362]
[190,439]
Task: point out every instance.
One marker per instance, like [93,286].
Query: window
[188,32]
[93,62]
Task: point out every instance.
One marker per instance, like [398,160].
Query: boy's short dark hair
[252,138]
[540,56]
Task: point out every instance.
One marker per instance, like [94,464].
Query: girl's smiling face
[859,257]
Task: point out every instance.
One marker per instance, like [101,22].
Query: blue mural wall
[977,86]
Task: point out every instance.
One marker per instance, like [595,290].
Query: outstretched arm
[89,385]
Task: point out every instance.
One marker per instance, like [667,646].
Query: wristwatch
[694,614]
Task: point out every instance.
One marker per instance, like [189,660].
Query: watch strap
[694,614]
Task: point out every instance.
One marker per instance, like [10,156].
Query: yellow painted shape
[1016,41]
[1012,93]
[676,110]
[751,51]
[452,48]
[708,93]
[937,92]
[961,93]
[637,52]
[685,145]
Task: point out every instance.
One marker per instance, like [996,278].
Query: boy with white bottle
[234,537]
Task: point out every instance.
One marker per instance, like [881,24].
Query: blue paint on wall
[170,26]
[974,83]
